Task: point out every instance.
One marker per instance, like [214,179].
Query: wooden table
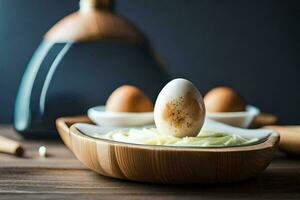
[61,176]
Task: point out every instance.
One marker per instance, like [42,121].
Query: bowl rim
[99,111]
[250,111]
[272,140]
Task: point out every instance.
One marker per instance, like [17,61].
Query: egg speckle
[179,109]
[182,111]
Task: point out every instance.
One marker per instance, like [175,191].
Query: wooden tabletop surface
[62,176]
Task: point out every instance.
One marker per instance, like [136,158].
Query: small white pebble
[42,151]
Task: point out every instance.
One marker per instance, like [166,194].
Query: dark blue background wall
[250,45]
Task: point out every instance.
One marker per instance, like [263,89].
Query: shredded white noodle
[151,136]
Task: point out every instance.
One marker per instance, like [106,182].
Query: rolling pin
[10,146]
[289,135]
[289,138]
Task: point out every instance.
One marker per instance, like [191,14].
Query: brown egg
[128,98]
[224,99]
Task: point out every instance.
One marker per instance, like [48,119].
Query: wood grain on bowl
[63,125]
[162,164]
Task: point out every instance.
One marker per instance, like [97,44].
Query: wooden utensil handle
[10,146]
[92,4]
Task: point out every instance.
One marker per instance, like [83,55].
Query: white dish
[102,117]
[209,125]
[239,119]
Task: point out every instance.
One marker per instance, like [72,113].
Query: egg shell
[179,109]
[224,99]
[128,98]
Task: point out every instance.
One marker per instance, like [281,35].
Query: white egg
[179,109]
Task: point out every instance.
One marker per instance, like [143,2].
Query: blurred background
[252,46]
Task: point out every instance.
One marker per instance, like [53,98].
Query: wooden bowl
[161,164]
